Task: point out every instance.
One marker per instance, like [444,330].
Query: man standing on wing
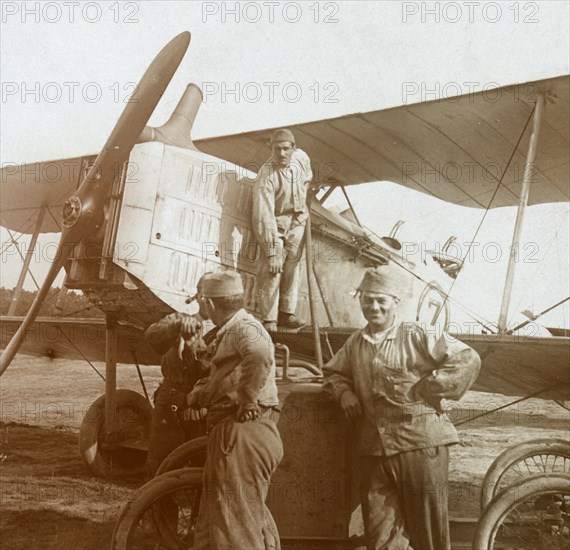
[244,446]
[389,379]
[278,218]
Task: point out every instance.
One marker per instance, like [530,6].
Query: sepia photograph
[285,275]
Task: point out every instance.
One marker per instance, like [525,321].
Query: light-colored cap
[387,279]
[221,284]
[200,282]
[284,134]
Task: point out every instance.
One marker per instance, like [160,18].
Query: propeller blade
[84,210]
[18,338]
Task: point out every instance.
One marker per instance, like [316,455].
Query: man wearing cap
[389,379]
[244,446]
[178,338]
[278,218]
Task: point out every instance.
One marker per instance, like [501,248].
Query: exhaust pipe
[177,130]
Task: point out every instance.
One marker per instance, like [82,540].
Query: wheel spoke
[532,515]
[523,461]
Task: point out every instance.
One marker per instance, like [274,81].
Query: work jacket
[242,369]
[279,200]
[400,380]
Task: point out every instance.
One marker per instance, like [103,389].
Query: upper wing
[455,149]
[27,187]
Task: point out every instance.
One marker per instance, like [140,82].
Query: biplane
[146,217]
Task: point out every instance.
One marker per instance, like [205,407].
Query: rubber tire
[97,460]
[144,498]
[191,454]
[505,501]
[514,454]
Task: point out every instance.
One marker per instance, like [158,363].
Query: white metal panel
[188,213]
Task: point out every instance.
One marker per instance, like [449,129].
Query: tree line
[74,304]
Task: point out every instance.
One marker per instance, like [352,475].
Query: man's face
[202,310]
[282,152]
[379,309]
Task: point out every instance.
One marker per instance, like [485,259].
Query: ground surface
[49,501]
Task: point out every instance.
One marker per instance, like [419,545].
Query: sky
[68,67]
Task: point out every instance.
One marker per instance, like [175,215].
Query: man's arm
[305,163]
[164,334]
[256,350]
[302,162]
[338,383]
[264,223]
[456,368]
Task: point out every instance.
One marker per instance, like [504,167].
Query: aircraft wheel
[191,454]
[161,514]
[533,514]
[102,453]
[539,456]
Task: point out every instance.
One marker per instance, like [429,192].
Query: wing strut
[310,286]
[111,338]
[535,317]
[350,205]
[27,260]
[523,201]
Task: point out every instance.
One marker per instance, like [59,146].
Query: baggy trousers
[280,292]
[404,500]
[241,459]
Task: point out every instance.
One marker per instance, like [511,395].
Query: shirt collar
[388,334]
[229,323]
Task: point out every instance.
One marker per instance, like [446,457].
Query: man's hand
[350,405]
[194,397]
[419,393]
[195,415]
[189,326]
[275,264]
[249,414]
[192,400]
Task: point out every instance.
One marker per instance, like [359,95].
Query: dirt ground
[49,501]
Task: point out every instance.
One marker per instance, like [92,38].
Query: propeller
[83,212]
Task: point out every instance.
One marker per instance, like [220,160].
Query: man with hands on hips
[389,379]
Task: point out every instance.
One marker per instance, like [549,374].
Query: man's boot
[288,320]
[270,326]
